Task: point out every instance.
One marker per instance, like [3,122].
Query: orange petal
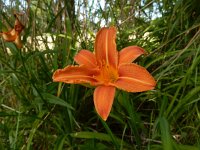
[105,47]
[134,78]
[18,42]
[87,58]
[75,74]
[103,100]
[18,25]
[14,34]
[129,54]
[9,36]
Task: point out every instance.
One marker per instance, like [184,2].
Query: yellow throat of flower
[108,74]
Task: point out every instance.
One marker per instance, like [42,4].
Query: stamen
[108,74]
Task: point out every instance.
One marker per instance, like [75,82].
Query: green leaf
[96,135]
[165,134]
[56,100]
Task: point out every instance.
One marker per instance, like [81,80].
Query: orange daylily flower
[14,34]
[107,69]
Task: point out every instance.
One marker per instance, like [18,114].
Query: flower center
[19,28]
[107,74]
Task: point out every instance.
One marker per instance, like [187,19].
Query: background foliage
[36,113]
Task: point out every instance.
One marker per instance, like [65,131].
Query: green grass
[36,113]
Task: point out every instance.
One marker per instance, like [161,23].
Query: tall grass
[36,113]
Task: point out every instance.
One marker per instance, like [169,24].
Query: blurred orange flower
[107,69]
[14,34]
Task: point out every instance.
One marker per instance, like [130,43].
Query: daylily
[107,69]
[14,34]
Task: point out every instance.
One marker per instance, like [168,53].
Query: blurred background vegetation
[36,113]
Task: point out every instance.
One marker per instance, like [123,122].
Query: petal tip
[104,118]
[103,114]
[54,75]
